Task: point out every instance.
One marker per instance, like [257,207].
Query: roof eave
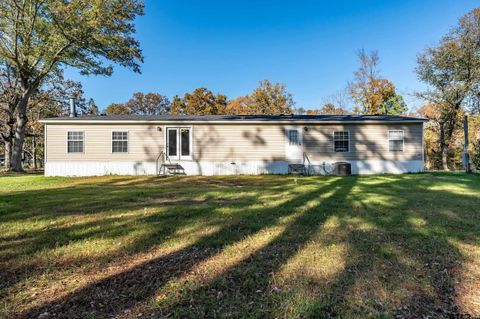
[82,121]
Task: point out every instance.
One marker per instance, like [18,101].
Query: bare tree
[9,96]
[339,99]
[372,93]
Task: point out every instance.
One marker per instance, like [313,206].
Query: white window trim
[128,142]
[297,135]
[300,134]
[190,144]
[66,142]
[179,157]
[403,141]
[294,153]
[333,141]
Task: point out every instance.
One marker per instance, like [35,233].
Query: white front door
[178,143]
[294,144]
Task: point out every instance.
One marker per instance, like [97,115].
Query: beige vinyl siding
[367,142]
[234,142]
[238,142]
[144,143]
[210,142]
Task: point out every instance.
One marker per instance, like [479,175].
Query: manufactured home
[231,144]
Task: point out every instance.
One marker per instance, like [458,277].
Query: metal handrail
[162,154]
[305,157]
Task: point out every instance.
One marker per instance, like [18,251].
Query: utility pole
[466,156]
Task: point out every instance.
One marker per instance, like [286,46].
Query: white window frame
[83,140]
[111,141]
[289,130]
[403,140]
[179,157]
[333,141]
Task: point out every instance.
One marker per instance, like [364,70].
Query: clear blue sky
[228,46]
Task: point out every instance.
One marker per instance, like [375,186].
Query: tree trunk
[34,152]
[444,152]
[8,153]
[21,125]
[428,165]
[443,148]
[8,137]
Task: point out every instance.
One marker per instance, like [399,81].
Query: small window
[293,137]
[395,141]
[341,141]
[75,142]
[119,142]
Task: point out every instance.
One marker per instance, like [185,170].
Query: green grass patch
[241,246]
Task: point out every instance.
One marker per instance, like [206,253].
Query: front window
[341,141]
[119,142]
[395,141]
[75,142]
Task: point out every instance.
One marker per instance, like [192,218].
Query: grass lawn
[244,246]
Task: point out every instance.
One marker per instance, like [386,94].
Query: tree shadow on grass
[406,253]
[401,260]
[113,295]
[160,212]
[246,288]
[399,257]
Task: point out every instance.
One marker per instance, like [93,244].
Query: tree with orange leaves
[371,93]
[239,106]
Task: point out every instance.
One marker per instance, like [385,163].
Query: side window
[395,141]
[119,142]
[75,142]
[341,141]
[293,137]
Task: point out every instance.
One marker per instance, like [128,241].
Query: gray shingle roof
[240,118]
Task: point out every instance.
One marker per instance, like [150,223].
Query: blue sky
[228,46]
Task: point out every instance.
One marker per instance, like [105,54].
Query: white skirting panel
[234,168]
[387,167]
[99,168]
[371,167]
[149,168]
[224,168]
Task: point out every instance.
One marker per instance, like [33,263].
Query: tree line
[40,38]
[268,98]
[451,69]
